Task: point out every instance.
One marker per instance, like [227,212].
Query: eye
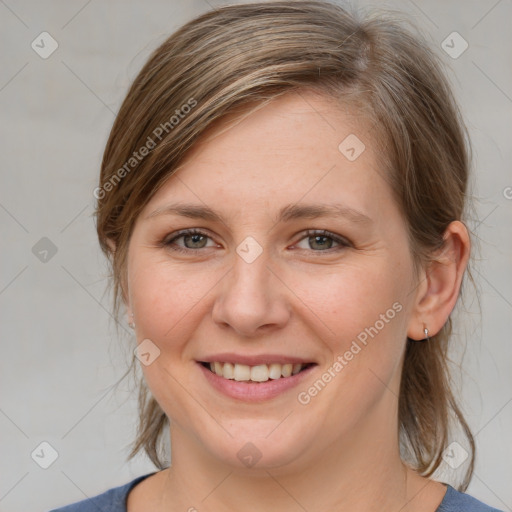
[322,240]
[192,239]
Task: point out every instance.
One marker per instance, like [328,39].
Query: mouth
[255,374]
[255,378]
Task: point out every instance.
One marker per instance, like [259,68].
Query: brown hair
[237,55]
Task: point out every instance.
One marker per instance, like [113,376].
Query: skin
[340,451]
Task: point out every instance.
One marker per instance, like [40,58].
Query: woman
[282,201]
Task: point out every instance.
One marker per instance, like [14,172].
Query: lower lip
[254,391]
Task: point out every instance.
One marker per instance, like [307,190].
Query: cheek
[164,297]
[353,296]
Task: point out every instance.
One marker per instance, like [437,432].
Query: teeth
[286,370]
[242,372]
[228,371]
[296,368]
[258,373]
[274,371]
[218,368]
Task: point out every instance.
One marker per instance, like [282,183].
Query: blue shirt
[114,500]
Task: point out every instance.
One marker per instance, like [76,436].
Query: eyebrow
[286,214]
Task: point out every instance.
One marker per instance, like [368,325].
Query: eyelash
[343,242]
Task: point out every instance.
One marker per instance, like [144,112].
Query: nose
[251,299]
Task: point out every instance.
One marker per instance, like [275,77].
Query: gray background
[60,352]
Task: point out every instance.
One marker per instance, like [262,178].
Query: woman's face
[264,289]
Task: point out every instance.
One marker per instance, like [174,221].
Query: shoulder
[113,500]
[456,501]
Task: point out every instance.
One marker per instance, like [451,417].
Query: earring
[131,324]
[426,338]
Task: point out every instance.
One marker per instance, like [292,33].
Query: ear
[440,283]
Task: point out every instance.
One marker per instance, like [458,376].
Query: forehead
[290,124]
[298,146]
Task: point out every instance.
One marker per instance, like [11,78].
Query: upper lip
[254,360]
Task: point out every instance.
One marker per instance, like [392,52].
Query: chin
[254,448]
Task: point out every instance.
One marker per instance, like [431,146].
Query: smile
[257,373]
